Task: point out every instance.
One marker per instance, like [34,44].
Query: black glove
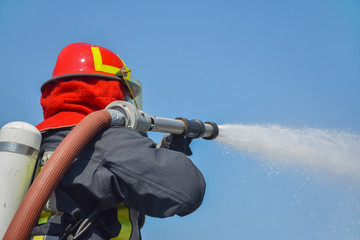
[177,142]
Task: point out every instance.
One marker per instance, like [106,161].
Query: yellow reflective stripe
[123,216]
[110,69]
[98,64]
[97,59]
[38,171]
[127,70]
[42,237]
[122,61]
[44,217]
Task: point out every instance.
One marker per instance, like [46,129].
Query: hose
[51,174]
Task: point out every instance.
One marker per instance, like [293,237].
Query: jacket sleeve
[159,182]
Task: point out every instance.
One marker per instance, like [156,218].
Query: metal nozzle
[142,122]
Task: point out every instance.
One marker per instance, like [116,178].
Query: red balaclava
[66,102]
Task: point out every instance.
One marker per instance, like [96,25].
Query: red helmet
[83,59]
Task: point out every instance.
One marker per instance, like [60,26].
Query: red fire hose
[54,169]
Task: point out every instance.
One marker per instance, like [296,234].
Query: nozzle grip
[193,128]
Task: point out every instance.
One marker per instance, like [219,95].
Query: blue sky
[293,63]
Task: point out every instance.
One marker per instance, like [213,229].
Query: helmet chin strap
[131,93]
[123,74]
[131,100]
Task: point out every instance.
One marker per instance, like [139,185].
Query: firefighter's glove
[176,142]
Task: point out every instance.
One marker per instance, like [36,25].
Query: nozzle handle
[193,128]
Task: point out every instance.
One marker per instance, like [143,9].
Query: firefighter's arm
[160,182]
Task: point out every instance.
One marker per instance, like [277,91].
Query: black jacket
[119,168]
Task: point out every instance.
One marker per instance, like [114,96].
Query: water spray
[332,152]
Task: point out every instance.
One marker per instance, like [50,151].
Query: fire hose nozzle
[196,129]
[129,116]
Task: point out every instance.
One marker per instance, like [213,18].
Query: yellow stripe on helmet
[110,69]
[97,59]
[99,66]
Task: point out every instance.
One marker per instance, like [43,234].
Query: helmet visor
[134,93]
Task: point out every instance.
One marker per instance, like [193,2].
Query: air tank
[19,148]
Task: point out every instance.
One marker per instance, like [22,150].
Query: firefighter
[120,176]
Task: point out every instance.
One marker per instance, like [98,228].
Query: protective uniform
[119,177]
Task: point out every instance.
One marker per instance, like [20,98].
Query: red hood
[66,103]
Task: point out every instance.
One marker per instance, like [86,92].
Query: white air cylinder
[19,147]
